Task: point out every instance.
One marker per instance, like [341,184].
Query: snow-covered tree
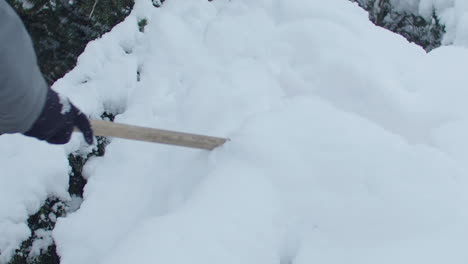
[424,32]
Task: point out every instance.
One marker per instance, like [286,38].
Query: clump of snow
[66,105]
[26,4]
[41,243]
[339,152]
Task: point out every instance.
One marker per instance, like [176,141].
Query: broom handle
[111,129]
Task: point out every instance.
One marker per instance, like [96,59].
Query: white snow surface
[347,143]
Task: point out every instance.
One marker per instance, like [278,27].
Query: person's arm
[22,87]
[27,104]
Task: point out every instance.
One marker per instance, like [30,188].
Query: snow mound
[346,142]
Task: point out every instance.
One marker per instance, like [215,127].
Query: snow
[31,172]
[43,241]
[347,143]
[66,106]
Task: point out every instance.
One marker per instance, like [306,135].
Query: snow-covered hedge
[347,142]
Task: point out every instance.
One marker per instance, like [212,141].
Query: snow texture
[338,152]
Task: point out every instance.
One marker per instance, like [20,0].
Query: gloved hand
[58,119]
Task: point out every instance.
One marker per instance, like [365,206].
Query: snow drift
[347,142]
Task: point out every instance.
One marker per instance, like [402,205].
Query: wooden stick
[111,129]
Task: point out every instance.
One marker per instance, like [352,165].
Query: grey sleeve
[22,86]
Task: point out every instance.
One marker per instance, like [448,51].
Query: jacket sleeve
[22,87]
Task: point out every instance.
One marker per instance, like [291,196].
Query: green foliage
[427,34]
[142,23]
[60,29]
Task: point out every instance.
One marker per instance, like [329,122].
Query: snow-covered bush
[347,143]
[426,32]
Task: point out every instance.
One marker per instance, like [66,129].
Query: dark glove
[58,119]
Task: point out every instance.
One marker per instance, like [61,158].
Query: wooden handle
[111,129]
